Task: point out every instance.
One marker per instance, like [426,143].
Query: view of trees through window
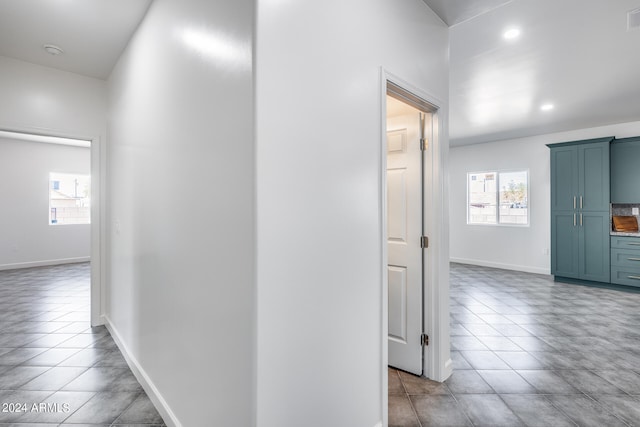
[69,199]
[498,198]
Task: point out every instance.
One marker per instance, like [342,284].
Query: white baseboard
[448,368]
[102,321]
[152,391]
[482,263]
[44,263]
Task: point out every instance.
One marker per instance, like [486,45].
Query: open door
[405,130]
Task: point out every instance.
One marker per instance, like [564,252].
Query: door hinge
[424,340]
[424,242]
[423,144]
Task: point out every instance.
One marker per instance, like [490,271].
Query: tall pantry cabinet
[580,209]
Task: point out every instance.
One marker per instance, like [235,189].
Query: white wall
[513,248]
[50,101]
[319,197]
[181,177]
[27,238]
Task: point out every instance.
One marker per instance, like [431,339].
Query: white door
[404,230]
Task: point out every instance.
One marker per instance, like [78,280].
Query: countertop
[625,233]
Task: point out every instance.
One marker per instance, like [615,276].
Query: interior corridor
[54,368]
[528,351]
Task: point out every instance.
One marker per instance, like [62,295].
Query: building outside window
[69,199]
[498,197]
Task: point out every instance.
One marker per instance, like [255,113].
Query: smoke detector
[52,49]
[633,19]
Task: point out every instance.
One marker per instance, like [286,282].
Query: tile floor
[51,357]
[528,351]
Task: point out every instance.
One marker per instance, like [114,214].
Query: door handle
[580,202]
[580,219]
[574,220]
[633,259]
[574,202]
[634,277]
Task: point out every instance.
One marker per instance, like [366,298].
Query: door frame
[437,363]
[98,209]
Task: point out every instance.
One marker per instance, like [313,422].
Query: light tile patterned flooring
[50,355]
[528,351]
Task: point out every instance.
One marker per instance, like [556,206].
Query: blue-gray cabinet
[625,170]
[625,260]
[580,209]
[564,244]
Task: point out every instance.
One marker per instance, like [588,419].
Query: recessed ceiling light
[547,107]
[52,49]
[511,33]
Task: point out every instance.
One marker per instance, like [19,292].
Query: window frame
[497,173]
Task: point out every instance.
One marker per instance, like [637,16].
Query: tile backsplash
[624,209]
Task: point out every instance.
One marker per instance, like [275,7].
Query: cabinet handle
[574,220]
[633,277]
[574,202]
[580,219]
[633,244]
[633,259]
[580,202]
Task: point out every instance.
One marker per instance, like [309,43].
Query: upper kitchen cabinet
[625,170]
[564,178]
[580,175]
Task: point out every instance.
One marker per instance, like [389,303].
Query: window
[498,198]
[69,199]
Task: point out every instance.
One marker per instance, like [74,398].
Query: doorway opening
[426,333]
[408,132]
[432,330]
[56,186]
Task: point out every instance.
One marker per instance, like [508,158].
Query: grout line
[60,300]
[415,412]
[461,409]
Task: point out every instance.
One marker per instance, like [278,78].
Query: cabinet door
[564,178]
[625,173]
[594,246]
[625,276]
[565,254]
[625,242]
[593,186]
[629,259]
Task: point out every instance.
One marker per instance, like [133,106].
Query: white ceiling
[453,12]
[576,54]
[92,33]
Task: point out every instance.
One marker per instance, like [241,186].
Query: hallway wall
[185,236]
[319,126]
[27,238]
[181,230]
